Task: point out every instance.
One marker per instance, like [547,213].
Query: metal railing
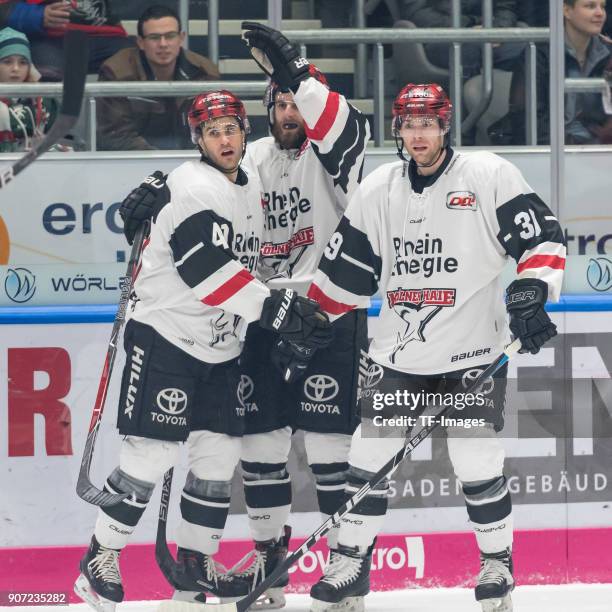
[106,89]
[380,36]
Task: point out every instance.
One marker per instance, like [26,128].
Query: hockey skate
[345,582]
[201,574]
[99,583]
[495,582]
[260,563]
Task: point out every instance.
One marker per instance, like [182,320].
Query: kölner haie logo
[461,200]
[599,273]
[19,285]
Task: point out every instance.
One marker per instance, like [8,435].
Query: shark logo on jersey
[221,328]
[279,259]
[417,307]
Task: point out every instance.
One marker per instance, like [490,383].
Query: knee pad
[375,503]
[257,471]
[122,482]
[202,488]
[478,493]
[147,460]
[475,458]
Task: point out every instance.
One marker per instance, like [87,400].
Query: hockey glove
[144,203]
[525,299]
[276,55]
[291,359]
[296,318]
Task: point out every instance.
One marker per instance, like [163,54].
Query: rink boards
[561,482]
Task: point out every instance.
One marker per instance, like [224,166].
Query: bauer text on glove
[525,299]
[276,55]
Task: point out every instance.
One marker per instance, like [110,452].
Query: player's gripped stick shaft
[386,470]
[85,489]
[76,59]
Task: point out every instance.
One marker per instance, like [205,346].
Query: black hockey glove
[525,299]
[297,319]
[144,203]
[291,359]
[279,58]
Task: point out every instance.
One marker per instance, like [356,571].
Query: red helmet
[214,104]
[425,100]
[273,88]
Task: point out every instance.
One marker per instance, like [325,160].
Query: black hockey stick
[85,488]
[76,60]
[385,471]
[164,558]
[168,566]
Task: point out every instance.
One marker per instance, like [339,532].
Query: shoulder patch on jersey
[461,200]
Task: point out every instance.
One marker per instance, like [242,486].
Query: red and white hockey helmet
[425,100]
[273,88]
[215,104]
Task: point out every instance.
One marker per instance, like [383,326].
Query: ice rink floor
[566,598]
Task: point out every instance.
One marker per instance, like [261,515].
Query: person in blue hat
[21,119]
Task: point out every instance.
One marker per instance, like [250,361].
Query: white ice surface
[566,598]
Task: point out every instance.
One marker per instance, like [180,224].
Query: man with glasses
[137,122]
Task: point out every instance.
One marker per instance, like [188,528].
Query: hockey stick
[164,558]
[85,489]
[76,60]
[385,471]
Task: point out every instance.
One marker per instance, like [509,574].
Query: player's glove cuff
[296,318]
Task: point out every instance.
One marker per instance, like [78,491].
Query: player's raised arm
[337,130]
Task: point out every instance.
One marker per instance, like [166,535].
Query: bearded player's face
[288,125]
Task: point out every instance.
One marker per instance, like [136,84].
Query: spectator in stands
[607,29]
[45,23]
[151,123]
[438,14]
[587,54]
[21,119]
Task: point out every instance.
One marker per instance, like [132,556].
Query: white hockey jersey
[436,257]
[196,282]
[305,191]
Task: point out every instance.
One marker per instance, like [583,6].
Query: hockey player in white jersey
[309,168]
[432,234]
[195,288]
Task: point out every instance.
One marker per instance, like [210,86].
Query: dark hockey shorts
[166,393]
[324,400]
[389,393]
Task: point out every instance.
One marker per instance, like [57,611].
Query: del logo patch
[461,200]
